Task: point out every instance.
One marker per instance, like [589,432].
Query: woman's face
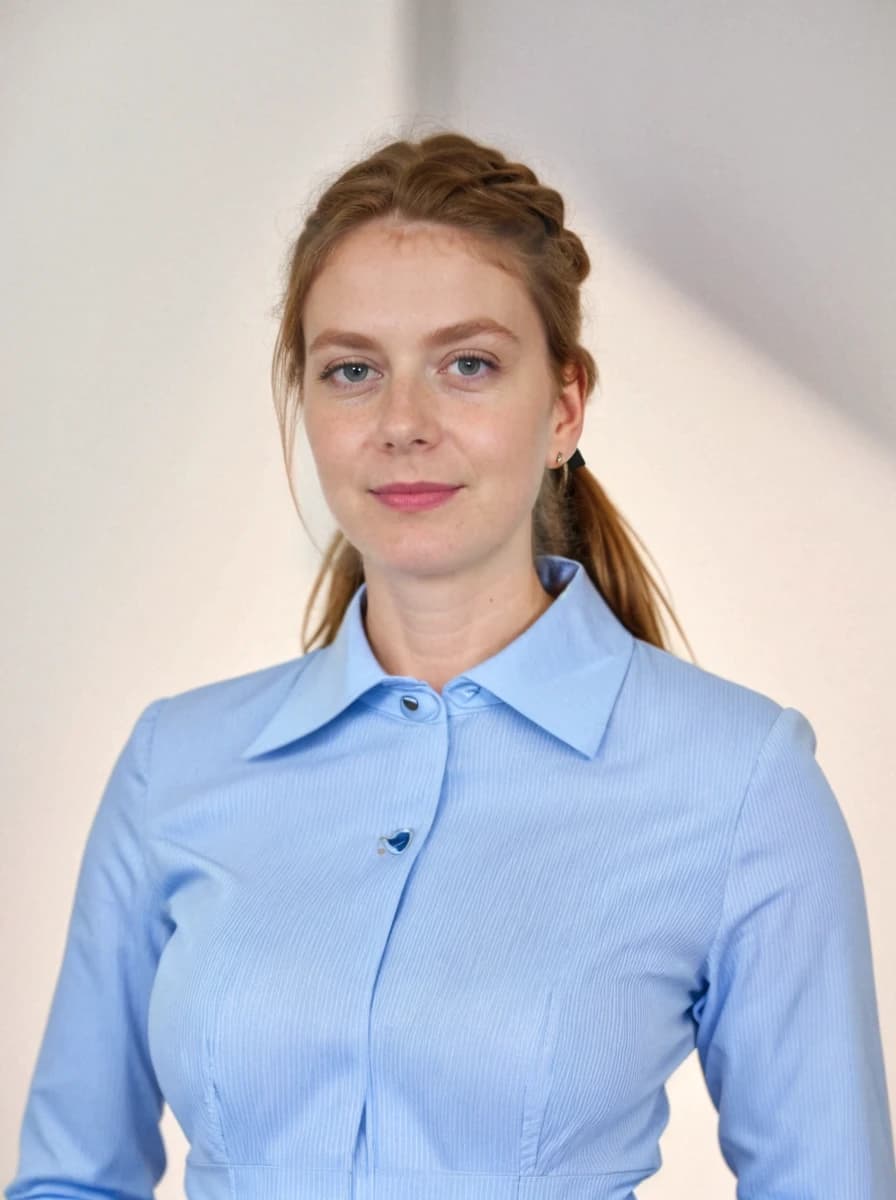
[388,398]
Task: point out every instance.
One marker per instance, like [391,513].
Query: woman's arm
[91,1123]
[788,1036]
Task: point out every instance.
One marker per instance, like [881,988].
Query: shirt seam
[153,884]
[760,754]
[425,1173]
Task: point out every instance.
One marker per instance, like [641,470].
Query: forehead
[428,268]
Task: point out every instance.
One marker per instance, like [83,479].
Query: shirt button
[419,706]
[395,842]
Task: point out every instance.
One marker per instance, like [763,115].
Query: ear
[569,406]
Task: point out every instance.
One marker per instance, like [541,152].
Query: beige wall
[730,177]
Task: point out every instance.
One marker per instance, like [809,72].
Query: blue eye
[341,366]
[352,365]
[473,358]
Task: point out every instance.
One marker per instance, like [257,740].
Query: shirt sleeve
[788,1035]
[91,1126]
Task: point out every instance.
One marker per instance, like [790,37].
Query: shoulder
[211,723]
[712,726]
[682,691]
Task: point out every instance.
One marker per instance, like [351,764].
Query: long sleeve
[788,1034]
[92,1116]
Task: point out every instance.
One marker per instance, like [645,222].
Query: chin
[420,553]
[423,556]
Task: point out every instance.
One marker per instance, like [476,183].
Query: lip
[422,485]
[414,500]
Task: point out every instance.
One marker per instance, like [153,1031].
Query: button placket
[398,840]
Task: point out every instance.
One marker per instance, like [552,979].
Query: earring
[576,461]
[559,458]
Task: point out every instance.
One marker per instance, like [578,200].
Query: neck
[433,629]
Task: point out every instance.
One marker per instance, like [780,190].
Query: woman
[435,909]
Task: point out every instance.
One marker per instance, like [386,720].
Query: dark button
[397,841]
[410,702]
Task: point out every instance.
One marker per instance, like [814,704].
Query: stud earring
[577,460]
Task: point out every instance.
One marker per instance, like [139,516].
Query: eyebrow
[448,333]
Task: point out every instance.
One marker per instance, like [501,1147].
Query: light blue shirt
[375,942]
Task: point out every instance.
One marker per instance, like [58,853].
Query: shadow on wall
[745,151]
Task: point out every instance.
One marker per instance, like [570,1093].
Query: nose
[405,414]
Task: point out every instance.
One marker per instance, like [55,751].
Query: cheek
[511,458]
[334,446]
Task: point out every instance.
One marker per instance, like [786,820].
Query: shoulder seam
[151,713]
[732,841]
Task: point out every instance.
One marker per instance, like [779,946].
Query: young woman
[433,911]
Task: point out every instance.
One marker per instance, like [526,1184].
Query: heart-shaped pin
[396,841]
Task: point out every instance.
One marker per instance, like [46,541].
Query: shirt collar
[563,672]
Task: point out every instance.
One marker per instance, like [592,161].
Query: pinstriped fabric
[374,942]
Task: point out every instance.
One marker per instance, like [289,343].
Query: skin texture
[449,586]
